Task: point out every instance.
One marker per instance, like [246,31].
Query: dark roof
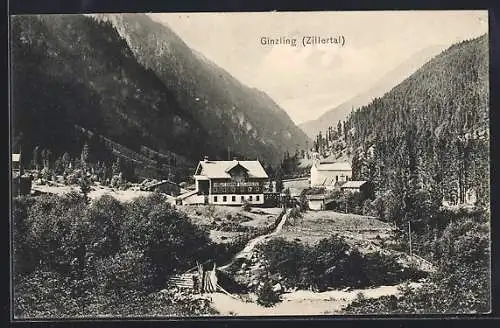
[159,183]
[333,166]
[186,195]
[315,197]
[353,184]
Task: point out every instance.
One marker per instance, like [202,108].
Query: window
[215,198]
[233,198]
[224,198]
[250,198]
[257,198]
[242,198]
[336,178]
[249,189]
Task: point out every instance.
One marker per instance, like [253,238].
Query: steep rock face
[73,71]
[236,116]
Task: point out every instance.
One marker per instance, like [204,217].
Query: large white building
[328,174]
[227,183]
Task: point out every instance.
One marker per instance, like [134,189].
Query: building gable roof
[353,184]
[187,194]
[235,166]
[159,183]
[220,169]
[333,166]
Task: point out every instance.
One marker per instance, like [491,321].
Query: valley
[148,181]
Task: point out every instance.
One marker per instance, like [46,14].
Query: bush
[92,260]
[330,263]
[460,285]
[246,206]
[266,296]
[162,232]
[106,216]
[44,294]
[59,231]
[24,259]
[123,273]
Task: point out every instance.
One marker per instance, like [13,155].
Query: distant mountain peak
[383,85]
[191,75]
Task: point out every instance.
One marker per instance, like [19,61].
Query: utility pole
[409,236]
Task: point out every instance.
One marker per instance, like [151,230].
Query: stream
[300,302]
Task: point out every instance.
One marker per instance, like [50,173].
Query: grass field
[96,191]
[226,223]
[314,226]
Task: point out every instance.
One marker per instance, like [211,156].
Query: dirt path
[247,251]
[300,302]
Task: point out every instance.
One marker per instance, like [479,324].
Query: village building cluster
[238,182]
[331,175]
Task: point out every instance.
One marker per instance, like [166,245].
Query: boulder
[277,287]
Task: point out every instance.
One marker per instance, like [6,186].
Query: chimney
[205,159]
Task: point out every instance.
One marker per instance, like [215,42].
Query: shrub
[246,206]
[44,294]
[460,285]
[162,232]
[294,213]
[105,216]
[123,273]
[266,296]
[74,258]
[330,263]
[24,259]
[59,229]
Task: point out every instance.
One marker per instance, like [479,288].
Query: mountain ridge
[91,88]
[235,114]
[382,86]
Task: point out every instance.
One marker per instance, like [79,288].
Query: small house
[271,199]
[316,202]
[16,164]
[21,183]
[363,187]
[329,174]
[165,186]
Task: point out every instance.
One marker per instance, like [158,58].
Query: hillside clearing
[96,192]
[314,226]
[367,234]
[227,223]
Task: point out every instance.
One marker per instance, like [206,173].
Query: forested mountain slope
[76,80]
[71,72]
[431,131]
[236,116]
[429,134]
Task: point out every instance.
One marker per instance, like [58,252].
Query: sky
[308,80]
